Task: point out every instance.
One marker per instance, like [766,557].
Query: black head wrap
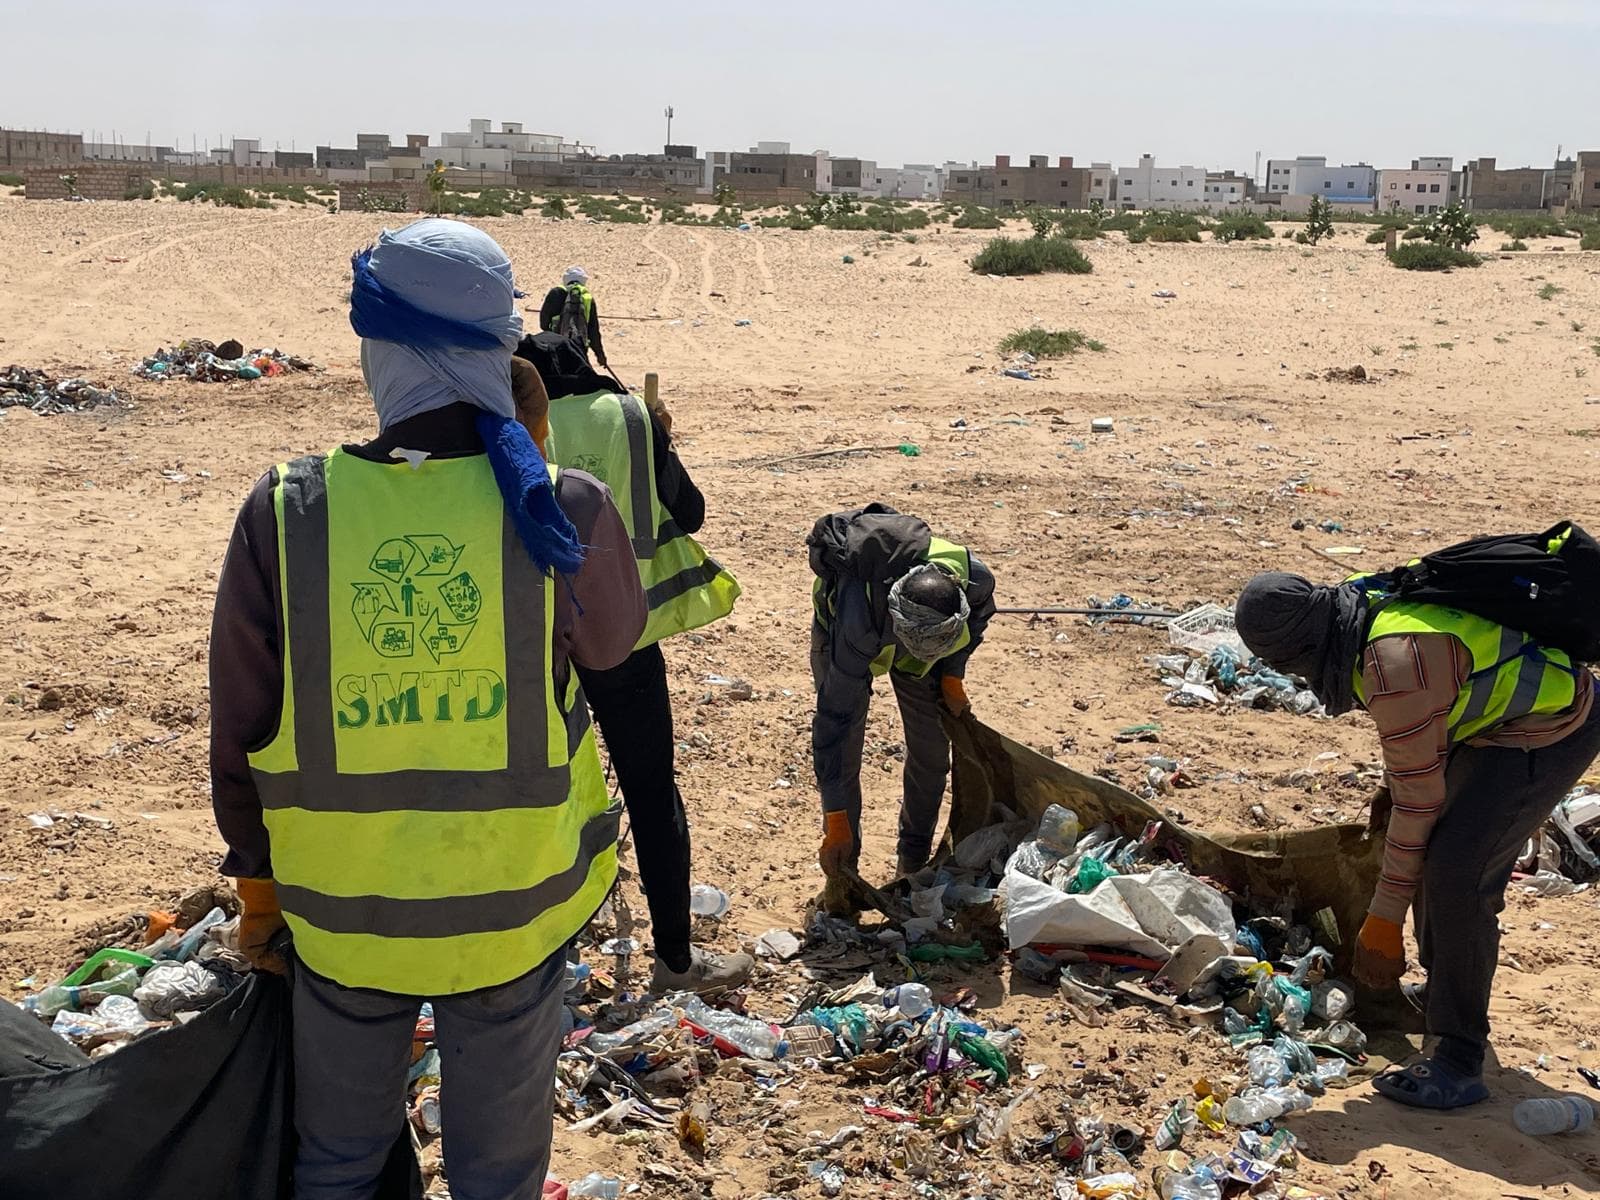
[1300,628]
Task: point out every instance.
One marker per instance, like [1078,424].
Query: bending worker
[413,788]
[570,310]
[1483,732]
[630,448]
[889,598]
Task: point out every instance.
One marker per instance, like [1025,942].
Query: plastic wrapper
[1148,914]
[116,1018]
[170,988]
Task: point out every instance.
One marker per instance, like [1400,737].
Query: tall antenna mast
[669,115]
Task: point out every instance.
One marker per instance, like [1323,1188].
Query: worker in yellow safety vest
[891,599]
[571,311]
[402,763]
[1483,731]
[596,426]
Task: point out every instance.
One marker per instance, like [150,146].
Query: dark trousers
[1497,799]
[497,1050]
[634,712]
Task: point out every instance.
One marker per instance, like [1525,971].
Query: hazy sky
[1198,83]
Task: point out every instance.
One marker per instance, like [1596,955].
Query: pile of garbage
[1224,676]
[189,961]
[210,362]
[1563,858]
[23,387]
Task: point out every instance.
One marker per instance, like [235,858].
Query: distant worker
[420,800]
[570,310]
[1484,730]
[889,598]
[614,436]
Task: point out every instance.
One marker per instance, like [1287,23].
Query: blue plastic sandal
[1431,1084]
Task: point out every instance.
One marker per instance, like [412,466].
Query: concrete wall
[1486,185]
[409,191]
[1586,182]
[95,181]
[19,147]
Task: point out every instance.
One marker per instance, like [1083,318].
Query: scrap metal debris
[23,387]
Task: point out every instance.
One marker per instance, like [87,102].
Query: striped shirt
[1412,682]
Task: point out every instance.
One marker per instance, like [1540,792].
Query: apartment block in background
[1149,186]
[1005,186]
[1429,185]
[1485,185]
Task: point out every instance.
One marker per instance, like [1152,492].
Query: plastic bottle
[190,941]
[1196,1184]
[1263,1104]
[1332,1000]
[752,1037]
[603,1043]
[77,997]
[1266,1066]
[1059,829]
[1567,1114]
[595,1186]
[1233,1022]
[708,901]
[911,999]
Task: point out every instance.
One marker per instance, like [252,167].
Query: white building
[1225,188]
[1102,184]
[247,152]
[1430,184]
[1150,186]
[1310,175]
[481,147]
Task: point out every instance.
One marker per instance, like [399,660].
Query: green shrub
[1412,234]
[1518,244]
[1169,227]
[1527,225]
[11,179]
[605,210]
[225,196]
[1377,237]
[1431,256]
[1126,221]
[555,209]
[1319,220]
[1549,291]
[1048,343]
[1078,225]
[1241,227]
[1452,226]
[977,218]
[1031,256]
[137,192]
[1591,238]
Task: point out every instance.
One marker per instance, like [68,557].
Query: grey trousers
[498,1052]
[927,762]
[1497,799]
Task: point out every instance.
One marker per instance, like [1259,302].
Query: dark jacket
[597,619]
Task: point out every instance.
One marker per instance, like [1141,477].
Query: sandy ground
[1482,417]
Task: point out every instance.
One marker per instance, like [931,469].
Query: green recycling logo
[419,601]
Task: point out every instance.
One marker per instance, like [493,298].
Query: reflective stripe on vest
[1512,675]
[609,436]
[438,817]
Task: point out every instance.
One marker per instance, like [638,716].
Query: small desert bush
[1031,256]
[1168,227]
[1048,343]
[11,179]
[137,192]
[1240,227]
[1517,244]
[1430,256]
[1414,233]
[225,196]
[1591,238]
[1125,222]
[1527,225]
[977,218]
[1377,237]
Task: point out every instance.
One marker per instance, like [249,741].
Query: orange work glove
[1380,954]
[955,695]
[259,921]
[838,843]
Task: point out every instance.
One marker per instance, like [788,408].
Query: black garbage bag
[199,1111]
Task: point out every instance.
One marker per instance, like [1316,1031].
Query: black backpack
[1546,585]
[573,323]
[874,544]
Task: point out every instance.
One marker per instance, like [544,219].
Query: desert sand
[1482,414]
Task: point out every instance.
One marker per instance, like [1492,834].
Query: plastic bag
[170,988]
[1147,914]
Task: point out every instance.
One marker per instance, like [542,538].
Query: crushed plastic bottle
[752,1037]
[1332,1000]
[656,1022]
[1266,1067]
[909,999]
[1566,1114]
[190,941]
[60,996]
[1198,1183]
[1175,1126]
[1059,829]
[595,1186]
[708,901]
[1256,1105]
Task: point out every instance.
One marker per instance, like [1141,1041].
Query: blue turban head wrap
[434,305]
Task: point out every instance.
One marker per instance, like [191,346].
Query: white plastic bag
[1146,914]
